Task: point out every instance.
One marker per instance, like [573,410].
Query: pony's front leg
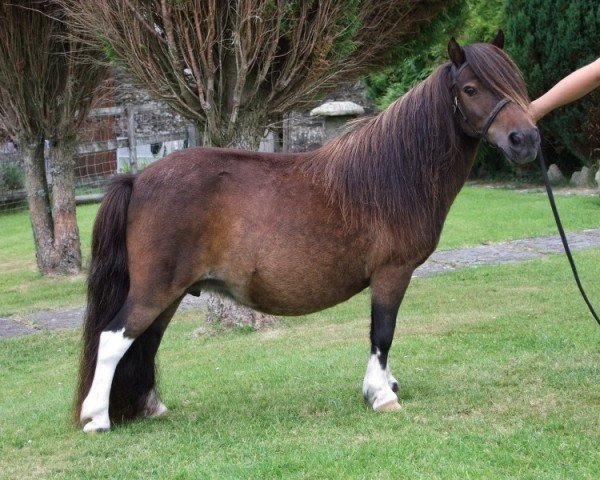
[388,286]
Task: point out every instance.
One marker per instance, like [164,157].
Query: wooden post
[285,136]
[192,133]
[131,138]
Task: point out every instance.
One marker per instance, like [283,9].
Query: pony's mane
[385,170]
[389,169]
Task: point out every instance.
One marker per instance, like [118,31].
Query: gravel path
[443,261]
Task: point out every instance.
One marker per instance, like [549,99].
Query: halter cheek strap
[455,73]
[492,115]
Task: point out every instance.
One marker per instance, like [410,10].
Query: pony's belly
[303,304]
[278,301]
[300,292]
[294,291]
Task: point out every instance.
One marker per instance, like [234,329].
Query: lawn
[482,215]
[22,288]
[499,370]
[479,215]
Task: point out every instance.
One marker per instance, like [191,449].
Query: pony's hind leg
[388,287]
[154,408]
[124,377]
[94,410]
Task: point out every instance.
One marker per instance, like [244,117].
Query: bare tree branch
[226,64]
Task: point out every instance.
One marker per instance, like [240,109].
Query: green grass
[479,215]
[482,215]
[22,288]
[499,370]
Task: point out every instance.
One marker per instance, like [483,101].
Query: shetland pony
[290,234]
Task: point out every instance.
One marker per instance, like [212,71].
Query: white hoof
[97,426]
[389,407]
[154,407]
[383,399]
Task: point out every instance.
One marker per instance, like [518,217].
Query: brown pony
[289,234]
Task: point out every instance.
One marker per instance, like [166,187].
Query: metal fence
[112,141]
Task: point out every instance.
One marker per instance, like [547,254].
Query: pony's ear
[456,53]
[498,40]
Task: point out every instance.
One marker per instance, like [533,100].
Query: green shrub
[555,37]
[11,177]
[468,20]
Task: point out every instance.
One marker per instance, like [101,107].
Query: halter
[455,73]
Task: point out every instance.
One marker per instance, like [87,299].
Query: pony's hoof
[95,427]
[389,406]
[159,411]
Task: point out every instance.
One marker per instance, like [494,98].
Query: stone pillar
[336,116]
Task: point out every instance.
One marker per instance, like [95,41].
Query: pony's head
[490,98]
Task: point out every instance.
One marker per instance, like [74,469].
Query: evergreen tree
[557,37]
[468,20]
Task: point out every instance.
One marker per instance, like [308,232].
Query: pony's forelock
[498,73]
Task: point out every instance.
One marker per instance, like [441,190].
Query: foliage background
[556,37]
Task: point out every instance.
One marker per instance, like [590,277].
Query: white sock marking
[376,388]
[111,349]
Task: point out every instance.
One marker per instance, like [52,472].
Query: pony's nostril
[515,138]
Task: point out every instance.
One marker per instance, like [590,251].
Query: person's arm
[574,86]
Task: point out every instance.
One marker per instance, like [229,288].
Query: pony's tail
[108,277]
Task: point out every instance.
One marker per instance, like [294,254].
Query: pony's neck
[401,170]
[461,165]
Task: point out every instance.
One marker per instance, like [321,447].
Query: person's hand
[571,88]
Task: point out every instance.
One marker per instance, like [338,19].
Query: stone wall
[161,119]
[301,132]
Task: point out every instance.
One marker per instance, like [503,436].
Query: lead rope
[561,231]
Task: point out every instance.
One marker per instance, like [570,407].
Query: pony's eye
[470,91]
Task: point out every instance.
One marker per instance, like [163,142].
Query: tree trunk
[38,199]
[54,224]
[223,310]
[229,313]
[66,233]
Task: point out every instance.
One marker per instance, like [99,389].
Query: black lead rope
[563,237]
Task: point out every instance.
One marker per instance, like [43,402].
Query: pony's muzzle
[523,145]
